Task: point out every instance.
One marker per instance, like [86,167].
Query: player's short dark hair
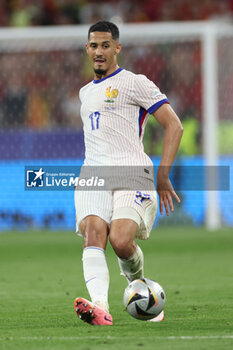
[105,26]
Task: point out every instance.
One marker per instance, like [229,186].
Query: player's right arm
[148,96]
[173,134]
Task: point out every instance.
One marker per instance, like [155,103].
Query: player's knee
[120,244]
[92,237]
[95,238]
[94,233]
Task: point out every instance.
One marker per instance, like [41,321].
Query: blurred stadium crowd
[44,94]
[24,13]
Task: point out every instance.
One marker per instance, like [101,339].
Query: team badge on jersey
[111,94]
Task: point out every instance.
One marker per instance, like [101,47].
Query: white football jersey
[114,111]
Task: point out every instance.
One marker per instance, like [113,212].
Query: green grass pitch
[41,274]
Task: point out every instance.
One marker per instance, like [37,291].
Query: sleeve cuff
[157,105]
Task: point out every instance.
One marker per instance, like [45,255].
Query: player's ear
[87,46]
[118,48]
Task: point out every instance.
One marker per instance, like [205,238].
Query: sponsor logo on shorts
[140,197]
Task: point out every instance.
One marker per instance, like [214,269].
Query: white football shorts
[139,206]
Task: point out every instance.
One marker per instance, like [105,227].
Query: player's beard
[100,71]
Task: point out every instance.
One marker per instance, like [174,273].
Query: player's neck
[98,76]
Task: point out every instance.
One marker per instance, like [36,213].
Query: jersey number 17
[94,120]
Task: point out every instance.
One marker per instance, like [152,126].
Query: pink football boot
[92,313]
[158,318]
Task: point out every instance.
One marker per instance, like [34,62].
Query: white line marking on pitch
[182,337]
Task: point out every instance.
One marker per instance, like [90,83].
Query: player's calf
[133,268]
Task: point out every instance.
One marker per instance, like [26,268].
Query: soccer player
[115,107]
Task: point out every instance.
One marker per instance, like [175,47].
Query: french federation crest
[111,95]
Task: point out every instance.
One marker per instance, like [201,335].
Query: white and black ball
[144,299]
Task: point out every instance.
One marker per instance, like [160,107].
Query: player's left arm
[166,117]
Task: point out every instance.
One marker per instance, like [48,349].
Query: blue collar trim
[109,76]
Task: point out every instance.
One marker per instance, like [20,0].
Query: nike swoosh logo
[90,280]
[107,319]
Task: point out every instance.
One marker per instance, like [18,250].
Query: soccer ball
[144,299]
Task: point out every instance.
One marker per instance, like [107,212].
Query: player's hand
[166,192]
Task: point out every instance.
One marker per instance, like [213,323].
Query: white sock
[96,275]
[133,268]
